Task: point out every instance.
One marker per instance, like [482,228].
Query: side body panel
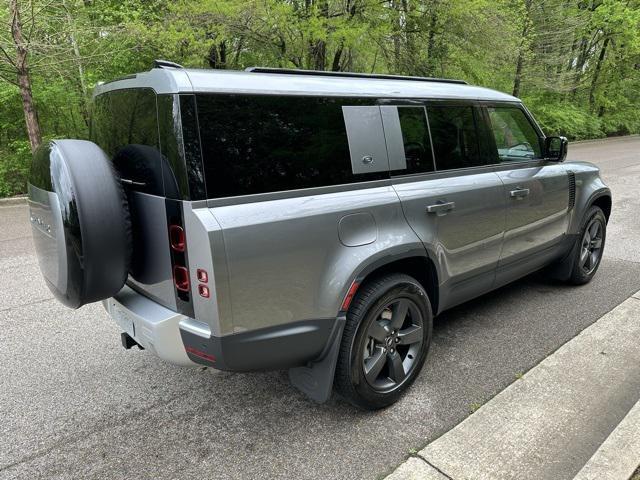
[293,259]
[589,186]
[537,218]
[465,241]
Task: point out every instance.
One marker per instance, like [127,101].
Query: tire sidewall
[578,275]
[399,286]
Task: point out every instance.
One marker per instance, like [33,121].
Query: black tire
[80,221]
[373,302]
[585,268]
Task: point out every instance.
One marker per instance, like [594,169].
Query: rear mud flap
[315,380]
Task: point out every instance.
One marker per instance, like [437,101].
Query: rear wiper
[131,182]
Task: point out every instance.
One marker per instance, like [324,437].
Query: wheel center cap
[389,342]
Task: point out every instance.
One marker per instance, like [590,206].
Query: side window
[454,136]
[516,139]
[266,143]
[407,137]
[415,139]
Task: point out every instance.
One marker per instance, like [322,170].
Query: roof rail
[165,64]
[291,71]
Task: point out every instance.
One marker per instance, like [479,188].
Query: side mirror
[555,148]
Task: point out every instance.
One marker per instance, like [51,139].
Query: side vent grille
[572,189]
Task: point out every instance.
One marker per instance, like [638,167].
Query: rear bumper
[150,324]
[181,340]
[282,346]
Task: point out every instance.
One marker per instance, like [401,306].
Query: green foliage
[557,118]
[14,168]
[575,63]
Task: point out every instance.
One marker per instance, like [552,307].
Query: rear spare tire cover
[80,221]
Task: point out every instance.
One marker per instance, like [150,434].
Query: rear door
[535,191]
[450,196]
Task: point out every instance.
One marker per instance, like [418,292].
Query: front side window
[261,143]
[515,137]
[454,136]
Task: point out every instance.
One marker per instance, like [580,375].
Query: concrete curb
[548,424]
[11,201]
[619,455]
[416,468]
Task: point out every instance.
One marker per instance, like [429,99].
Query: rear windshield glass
[259,143]
[124,123]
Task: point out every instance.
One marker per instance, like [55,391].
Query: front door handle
[519,193]
[441,208]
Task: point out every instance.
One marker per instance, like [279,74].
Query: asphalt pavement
[74,404]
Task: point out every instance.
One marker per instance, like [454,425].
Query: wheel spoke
[373,365]
[399,314]
[593,229]
[410,335]
[593,259]
[377,331]
[396,369]
[584,255]
[597,243]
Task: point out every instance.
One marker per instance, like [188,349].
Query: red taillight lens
[204,291]
[350,294]
[181,278]
[203,276]
[176,237]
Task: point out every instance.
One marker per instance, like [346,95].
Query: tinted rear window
[415,137]
[124,117]
[454,136]
[257,144]
[124,124]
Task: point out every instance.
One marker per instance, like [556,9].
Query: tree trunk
[84,105]
[517,79]
[518,75]
[335,65]
[596,74]
[431,44]
[217,57]
[24,80]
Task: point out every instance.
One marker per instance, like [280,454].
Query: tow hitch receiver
[128,341]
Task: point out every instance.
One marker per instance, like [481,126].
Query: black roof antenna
[165,64]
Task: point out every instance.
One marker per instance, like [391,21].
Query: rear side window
[516,139]
[258,143]
[454,136]
[415,137]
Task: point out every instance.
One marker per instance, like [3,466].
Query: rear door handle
[441,208]
[519,193]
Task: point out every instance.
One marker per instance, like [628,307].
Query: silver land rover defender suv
[310,221]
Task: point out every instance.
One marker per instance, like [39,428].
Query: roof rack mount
[291,71]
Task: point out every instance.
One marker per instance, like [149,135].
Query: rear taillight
[176,238]
[181,278]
